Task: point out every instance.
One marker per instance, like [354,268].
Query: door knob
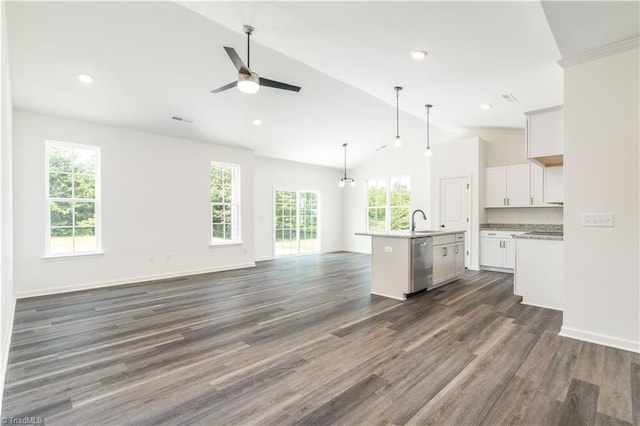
[441,226]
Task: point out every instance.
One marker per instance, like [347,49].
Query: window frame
[236,208]
[96,201]
[387,206]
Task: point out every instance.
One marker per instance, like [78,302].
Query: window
[388,204]
[296,222]
[225,203]
[73,198]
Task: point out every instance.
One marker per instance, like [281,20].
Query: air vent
[509,98]
[182,119]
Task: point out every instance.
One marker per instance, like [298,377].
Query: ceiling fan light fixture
[248,83]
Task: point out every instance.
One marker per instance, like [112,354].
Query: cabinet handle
[507,200]
[504,201]
[501,242]
[531,200]
[457,249]
[444,251]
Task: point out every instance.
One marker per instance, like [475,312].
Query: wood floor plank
[579,408]
[615,387]
[302,341]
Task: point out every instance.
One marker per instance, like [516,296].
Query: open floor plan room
[302,341]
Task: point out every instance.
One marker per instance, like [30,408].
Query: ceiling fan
[249,81]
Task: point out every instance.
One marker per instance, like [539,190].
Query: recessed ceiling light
[257,122]
[485,106]
[419,54]
[85,78]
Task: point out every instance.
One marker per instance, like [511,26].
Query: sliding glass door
[296,222]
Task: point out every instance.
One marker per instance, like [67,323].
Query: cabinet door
[509,253]
[495,186]
[491,252]
[536,186]
[554,184]
[545,134]
[518,185]
[449,261]
[459,259]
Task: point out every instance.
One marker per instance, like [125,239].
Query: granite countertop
[407,234]
[531,231]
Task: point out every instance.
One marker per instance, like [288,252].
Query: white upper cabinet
[507,186]
[537,186]
[545,136]
[554,185]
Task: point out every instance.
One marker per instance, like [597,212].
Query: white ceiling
[153,60]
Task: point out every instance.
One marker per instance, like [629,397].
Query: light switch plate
[598,219]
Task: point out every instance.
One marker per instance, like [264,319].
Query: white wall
[6,218]
[601,171]
[271,174]
[461,158]
[155,207]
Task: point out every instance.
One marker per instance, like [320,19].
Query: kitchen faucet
[413,219]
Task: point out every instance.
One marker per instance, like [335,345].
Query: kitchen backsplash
[542,215]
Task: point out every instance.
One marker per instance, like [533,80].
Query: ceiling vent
[182,119]
[509,98]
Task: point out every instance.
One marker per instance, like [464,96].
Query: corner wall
[601,171]
[155,207]
[271,174]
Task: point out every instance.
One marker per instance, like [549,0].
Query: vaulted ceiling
[154,60]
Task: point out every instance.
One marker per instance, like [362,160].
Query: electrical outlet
[597,219]
[388,249]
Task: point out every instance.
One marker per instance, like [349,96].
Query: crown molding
[600,52]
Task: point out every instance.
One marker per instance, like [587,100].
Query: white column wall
[601,172]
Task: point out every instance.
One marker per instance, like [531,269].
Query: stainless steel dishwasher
[421,263]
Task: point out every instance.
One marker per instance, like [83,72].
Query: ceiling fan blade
[235,58]
[225,87]
[278,85]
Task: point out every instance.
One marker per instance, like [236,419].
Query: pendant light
[428,152]
[397,142]
[344,178]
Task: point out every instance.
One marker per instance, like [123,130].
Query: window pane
[85,214]
[377,220]
[61,214]
[85,239]
[60,185]
[60,159]
[216,193]
[61,240]
[84,186]
[84,161]
[400,218]
[217,231]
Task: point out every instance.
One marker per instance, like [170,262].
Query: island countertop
[407,234]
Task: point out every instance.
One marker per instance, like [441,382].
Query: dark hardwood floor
[301,341]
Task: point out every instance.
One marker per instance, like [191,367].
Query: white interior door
[454,208]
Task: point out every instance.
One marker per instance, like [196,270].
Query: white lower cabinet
[448,258]
[498,249]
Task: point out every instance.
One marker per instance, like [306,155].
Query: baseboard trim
[601,339]
[494,269]
[130,280]
[386,295]
[5,350]
[538,305]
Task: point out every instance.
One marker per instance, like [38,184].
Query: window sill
[72,255]
[225,243]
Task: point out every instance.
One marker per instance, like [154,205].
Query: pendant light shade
[397,142]
[428,152]
[344,177]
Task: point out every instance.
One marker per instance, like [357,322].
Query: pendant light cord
[397,113]
[248,49]
[345,161]
[428,143]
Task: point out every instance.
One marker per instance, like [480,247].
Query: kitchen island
[407,262]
